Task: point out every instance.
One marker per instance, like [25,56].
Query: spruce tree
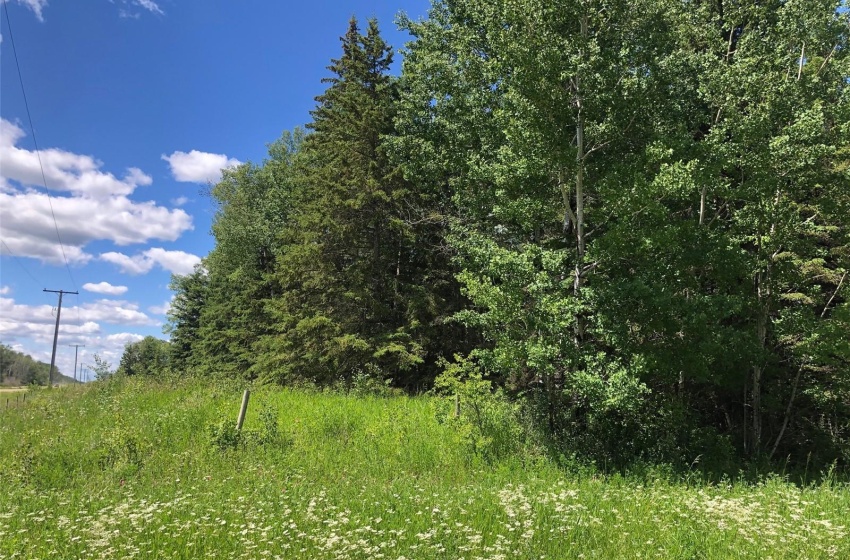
[345,266]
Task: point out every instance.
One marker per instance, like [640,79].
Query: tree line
[632,216]
[17,369]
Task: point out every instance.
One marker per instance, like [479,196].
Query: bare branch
[825,60]
[835,293]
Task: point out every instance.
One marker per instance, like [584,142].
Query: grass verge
[133,469]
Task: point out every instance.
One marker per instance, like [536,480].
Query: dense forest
[630,218]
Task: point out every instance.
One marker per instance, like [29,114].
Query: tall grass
[134,469]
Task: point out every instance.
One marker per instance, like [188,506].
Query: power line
[18,260]
[35,143]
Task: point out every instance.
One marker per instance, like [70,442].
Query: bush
[489,422]
[223,434]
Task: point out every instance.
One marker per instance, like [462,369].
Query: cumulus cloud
[95,205]
[117,312]
[5,290]
[198,167]
[161,309]
[29,329]
[63,170]
[85,316]
[105,288]
[176,262]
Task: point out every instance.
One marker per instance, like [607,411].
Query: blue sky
[137,104]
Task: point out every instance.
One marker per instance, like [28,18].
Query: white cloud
[176,262]
[128,9]
[29,329]
[105,288]
[117,312]
[198,167]
[180,201]
[85,316]
[161,309]
[5,290]
[63,171]
[124,338]
[36,6]
[150,6]
[97,208]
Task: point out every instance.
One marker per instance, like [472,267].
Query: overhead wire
[35,143]
[21,264]
[41,167]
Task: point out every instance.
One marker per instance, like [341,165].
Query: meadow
[129,468]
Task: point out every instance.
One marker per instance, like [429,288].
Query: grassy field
[136,470]
[11,389]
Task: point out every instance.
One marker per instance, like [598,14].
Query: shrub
[488,421]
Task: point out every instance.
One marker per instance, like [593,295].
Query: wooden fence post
[243,409]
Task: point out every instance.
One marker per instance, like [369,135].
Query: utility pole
[76,349]
[56,333]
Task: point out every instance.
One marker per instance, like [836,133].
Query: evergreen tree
[191,294]
[352,274]
[254,204]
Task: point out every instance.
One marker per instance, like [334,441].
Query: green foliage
[102,369]
[369,381]
[650,209]
[358,289]
[19,369]
[223,434]
[479,413]
[184,316]
[121,450]
[149,356]
[629,219]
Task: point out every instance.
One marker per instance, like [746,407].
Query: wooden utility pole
[76,349]
[56,333]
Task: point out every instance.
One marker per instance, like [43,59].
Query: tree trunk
[787,412]
[580,157]
[758,368]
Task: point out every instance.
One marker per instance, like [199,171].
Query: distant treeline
[633,217]
[17,368]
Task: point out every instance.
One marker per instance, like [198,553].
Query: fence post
[243,409]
